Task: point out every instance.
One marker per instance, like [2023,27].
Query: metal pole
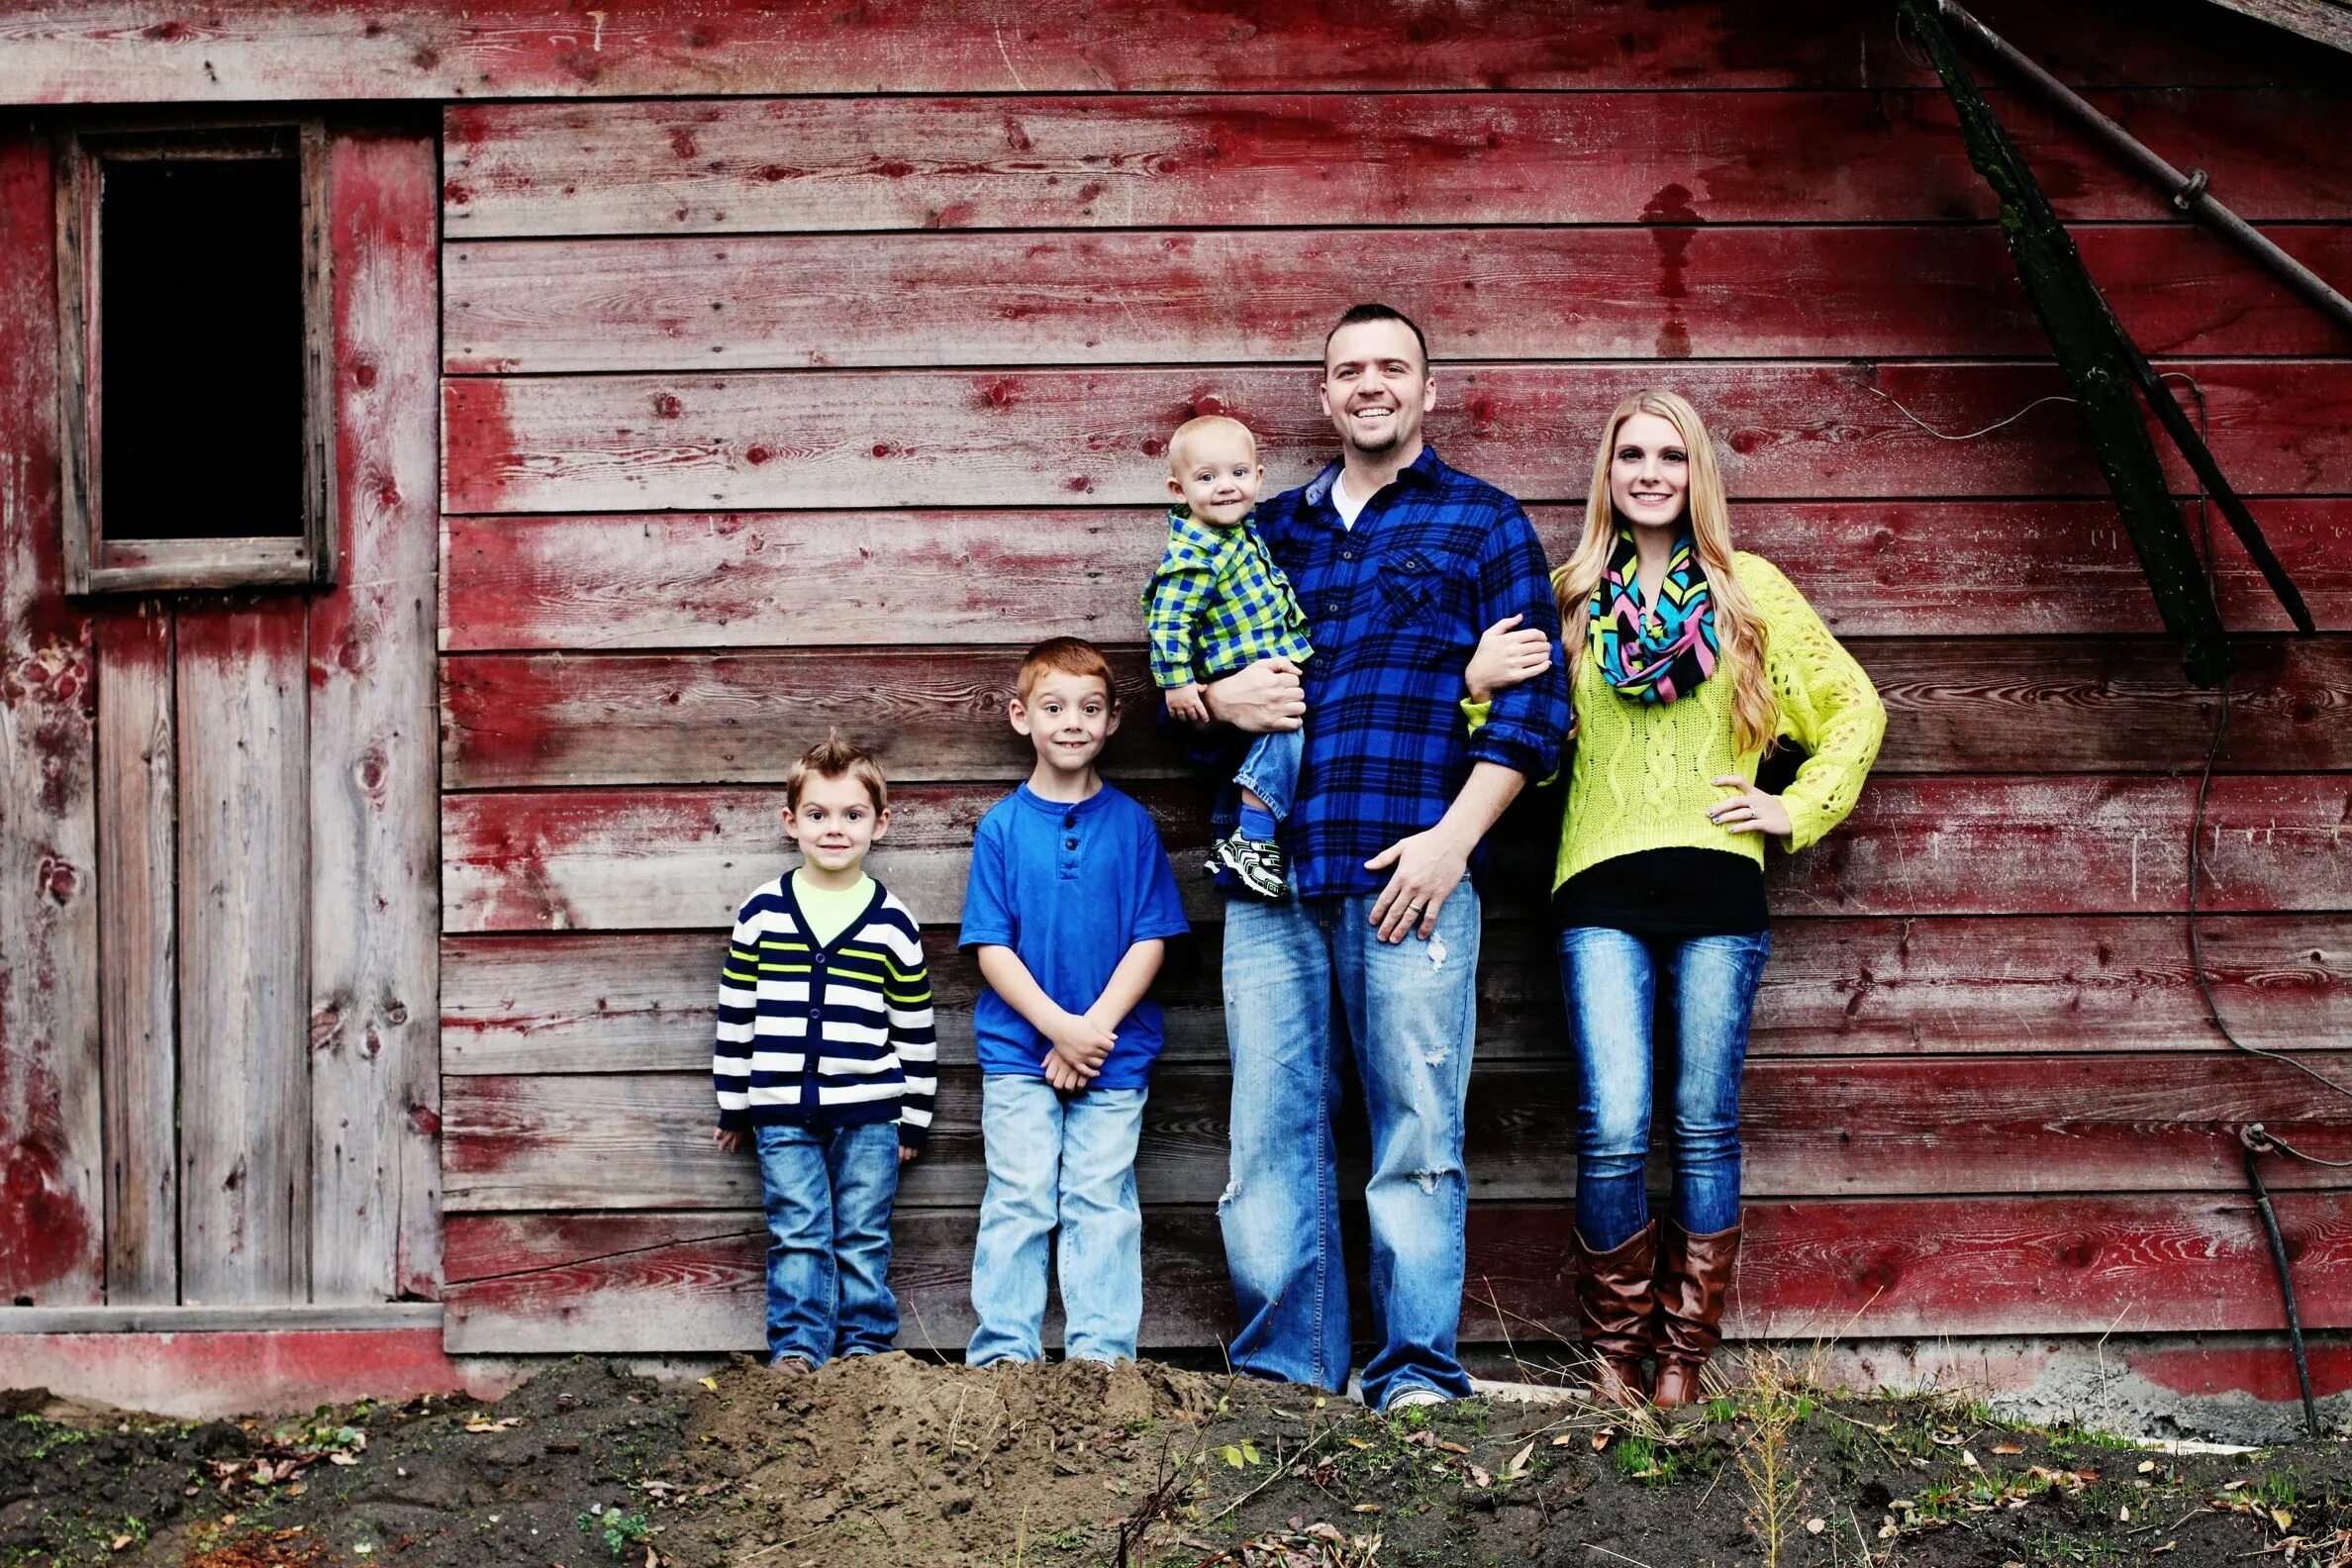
[2187,191]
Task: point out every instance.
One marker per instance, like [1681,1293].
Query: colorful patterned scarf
[1661,653]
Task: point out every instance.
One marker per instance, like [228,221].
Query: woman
[1695,663]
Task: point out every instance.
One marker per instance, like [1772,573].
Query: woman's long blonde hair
[1739,630]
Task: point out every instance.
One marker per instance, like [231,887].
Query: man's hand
[1266,696]
[728,1139]
[1184,702]
[1505,656]
[1428,867]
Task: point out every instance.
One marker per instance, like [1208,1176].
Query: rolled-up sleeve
[1527,722]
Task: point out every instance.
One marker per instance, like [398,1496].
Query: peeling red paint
[46,1236]
[208,1375]
[480,454]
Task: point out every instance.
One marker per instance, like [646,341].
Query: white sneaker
[1413,1398]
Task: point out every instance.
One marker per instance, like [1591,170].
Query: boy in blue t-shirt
[1070,907]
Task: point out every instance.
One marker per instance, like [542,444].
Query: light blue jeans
[1271,770]
[1066,1161]
[1408,1012]
[1624,992]
[828,1193]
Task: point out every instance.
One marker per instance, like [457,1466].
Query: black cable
[2278,1244]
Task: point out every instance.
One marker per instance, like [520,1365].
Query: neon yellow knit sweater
[1638,779]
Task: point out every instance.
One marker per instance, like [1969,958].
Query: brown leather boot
[1616,1298]
[1693,1276]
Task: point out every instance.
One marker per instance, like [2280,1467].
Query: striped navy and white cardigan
[838,1035]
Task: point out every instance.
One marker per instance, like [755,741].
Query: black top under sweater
[1677,892]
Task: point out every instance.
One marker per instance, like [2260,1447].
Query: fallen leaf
[1814,1526]
[2124,1513]
[1968,1461]
[1367,1508]
[342,1458]
[1480,1478]
[1601,1438]
[1518,1464]
[118,1544]
[709,1383]
[1944,1437]
[1357,1442]
[1230,1456]
[2009,1448]
[1453,1447]
[2281,1517]
[2146,1465]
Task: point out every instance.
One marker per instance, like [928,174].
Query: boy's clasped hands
[1081,1044]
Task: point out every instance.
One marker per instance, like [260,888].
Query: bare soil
[892,1461]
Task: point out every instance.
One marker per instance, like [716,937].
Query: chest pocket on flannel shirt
[1411,588]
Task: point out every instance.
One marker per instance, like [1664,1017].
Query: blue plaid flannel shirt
[1218,604]
[1395,609]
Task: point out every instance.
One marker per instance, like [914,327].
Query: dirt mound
[897,1463]
[890,1460]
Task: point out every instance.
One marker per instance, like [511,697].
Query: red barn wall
[770,415]
[799,369]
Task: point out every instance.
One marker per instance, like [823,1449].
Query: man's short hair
[836,758]
[1063,655]
[1372,311]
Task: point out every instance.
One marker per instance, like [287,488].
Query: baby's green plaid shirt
[1218,604]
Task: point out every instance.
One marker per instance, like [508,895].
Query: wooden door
[237,1000]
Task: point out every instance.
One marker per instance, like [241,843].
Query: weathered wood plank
[738,166]
[642,1002]
[155,51]
[139,981]
[51,1190]
[1848,1127]
[245,1146]
[1975,705]
[513,860]
[1994,846]
[660,859]
[1789,431]
[809,302]
[1841,1270]
[375,1220]
[732,580]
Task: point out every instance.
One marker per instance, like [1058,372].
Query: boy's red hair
[1063,655]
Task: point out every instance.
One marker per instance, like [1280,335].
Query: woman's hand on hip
[1749,811]
[1266,696]
[1505,656]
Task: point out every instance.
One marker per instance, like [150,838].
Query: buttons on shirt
[1070,820]
[1069,844]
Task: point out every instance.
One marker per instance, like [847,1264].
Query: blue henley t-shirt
[1069,887]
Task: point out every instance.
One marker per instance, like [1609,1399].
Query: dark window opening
[200,316]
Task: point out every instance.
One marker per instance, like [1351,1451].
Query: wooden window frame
[95,563]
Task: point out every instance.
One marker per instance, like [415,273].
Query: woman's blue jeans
[1626,994]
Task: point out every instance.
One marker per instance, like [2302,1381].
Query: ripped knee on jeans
[1232,1192]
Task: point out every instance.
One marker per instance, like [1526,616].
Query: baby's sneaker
[1256,862]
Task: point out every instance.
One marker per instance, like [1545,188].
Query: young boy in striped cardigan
[827,1059]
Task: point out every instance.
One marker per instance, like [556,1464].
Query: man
[1400,562]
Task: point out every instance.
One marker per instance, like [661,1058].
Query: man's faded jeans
[1306,980]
